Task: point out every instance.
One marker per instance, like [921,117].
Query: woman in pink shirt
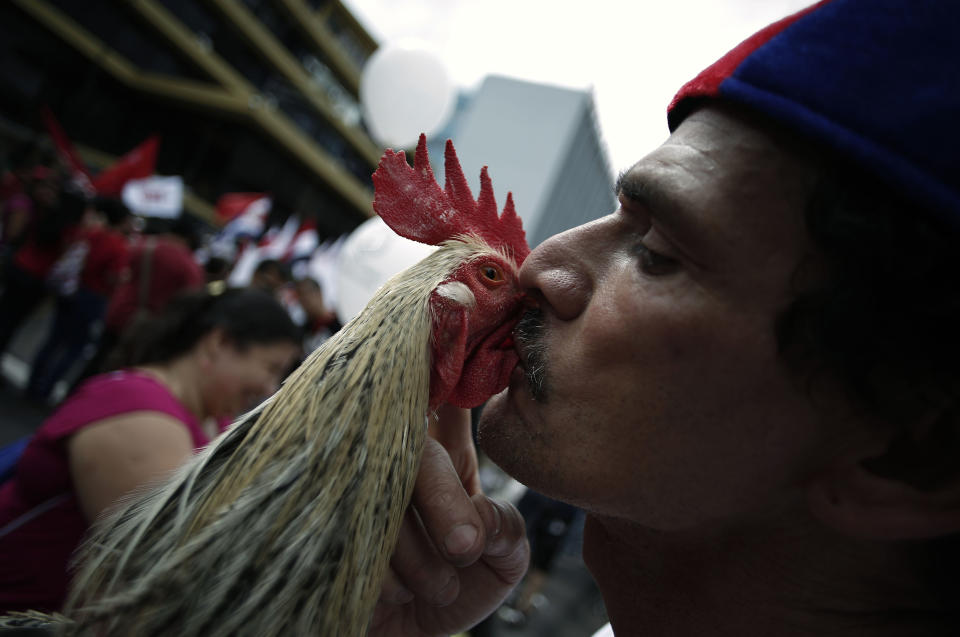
[188,372]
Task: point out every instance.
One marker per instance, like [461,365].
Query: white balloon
[370,256]
[405,90]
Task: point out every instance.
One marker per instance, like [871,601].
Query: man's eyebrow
[667,210]
[640,190]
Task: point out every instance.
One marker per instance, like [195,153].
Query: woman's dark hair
[883,322]
[246,316]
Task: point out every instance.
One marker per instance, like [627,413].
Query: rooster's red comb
[411,202]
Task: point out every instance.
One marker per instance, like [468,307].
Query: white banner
[155,196]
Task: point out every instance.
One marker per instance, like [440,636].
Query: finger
[507,551]
[488,581]
[393,591]
[420,568]
[450,426]
[503,523]
[449,516]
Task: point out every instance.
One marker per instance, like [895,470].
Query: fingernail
[461,539]
[496,513]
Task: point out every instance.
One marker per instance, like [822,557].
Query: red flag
[232,204]
[137,164]
[64,146]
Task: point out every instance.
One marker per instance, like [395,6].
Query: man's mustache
[529,335]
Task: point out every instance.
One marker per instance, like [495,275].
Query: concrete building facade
[542,143]
[247,95]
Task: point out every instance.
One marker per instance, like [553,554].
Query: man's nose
[556,274]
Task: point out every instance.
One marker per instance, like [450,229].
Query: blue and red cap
[876,81]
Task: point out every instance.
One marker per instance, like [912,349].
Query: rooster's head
[478,303]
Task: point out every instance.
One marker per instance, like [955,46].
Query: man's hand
[459,553]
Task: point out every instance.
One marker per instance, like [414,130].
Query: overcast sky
[633,55]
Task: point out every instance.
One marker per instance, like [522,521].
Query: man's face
[663,398]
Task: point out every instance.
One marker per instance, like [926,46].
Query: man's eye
[654,263]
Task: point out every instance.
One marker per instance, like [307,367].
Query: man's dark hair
[884,319]
[271,265]
[883,322]
[216,268]
[876,303]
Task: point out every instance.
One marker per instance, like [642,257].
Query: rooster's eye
[491,274]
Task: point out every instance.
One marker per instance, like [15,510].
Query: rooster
[285,524]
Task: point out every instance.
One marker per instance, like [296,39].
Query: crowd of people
[159,355]
[103,266]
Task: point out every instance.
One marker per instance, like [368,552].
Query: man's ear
[905,485]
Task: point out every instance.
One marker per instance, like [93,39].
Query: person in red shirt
[158,268]
[84,279]
[161,267]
